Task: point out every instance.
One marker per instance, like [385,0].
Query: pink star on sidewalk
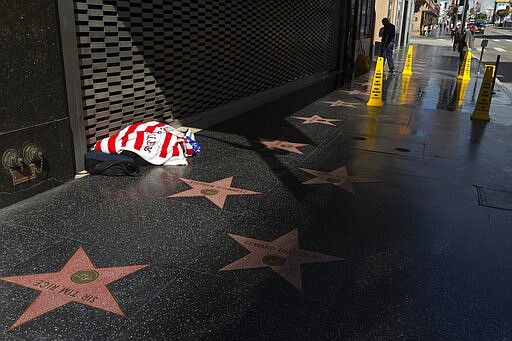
[317,119]
[284,145]
[340,103]
[216,191]
[338,177]
[79,281]
[282,255]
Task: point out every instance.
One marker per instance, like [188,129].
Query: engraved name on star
[340,103]
[338,177]
[282,255]
[284,145]
[216,191]
[79,281]
[317,119]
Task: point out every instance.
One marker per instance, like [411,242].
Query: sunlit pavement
[499,43]
[337,221]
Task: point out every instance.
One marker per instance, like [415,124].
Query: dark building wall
[33,107]
[169,59]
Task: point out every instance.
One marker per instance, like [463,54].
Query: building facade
[399,13]
[426,13]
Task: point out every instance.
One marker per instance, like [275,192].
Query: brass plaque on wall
[24,175]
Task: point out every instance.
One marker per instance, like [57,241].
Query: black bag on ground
[98,163]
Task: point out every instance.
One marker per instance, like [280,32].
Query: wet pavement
[334,222]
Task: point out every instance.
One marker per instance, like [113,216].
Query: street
[499,43]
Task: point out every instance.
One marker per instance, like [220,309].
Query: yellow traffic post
[483,102]
[465,68]
[408,62]
[376,92]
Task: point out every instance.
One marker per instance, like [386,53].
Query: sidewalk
[334,222]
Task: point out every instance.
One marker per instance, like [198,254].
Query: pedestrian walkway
[335,221]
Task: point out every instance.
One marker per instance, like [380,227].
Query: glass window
[366,18]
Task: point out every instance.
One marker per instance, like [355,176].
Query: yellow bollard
[465,68]
[408,62]
[376,92]
[483,102]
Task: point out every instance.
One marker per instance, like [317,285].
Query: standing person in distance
[388,43]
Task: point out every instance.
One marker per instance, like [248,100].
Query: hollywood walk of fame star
[356,92]
[338,177]
[282,255]
[317,119]
[78,281]
[284,145]
[340,103]
[216,191]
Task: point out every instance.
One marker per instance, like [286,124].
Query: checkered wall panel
[163,59]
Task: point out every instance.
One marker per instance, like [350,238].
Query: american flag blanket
[157,143]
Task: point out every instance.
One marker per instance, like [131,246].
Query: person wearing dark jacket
[388,43]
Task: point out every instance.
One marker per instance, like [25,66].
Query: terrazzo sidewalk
[337,221]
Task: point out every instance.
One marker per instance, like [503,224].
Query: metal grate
[161,60]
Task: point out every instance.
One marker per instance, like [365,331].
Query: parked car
[480,23]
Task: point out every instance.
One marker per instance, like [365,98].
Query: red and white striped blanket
[158,143]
